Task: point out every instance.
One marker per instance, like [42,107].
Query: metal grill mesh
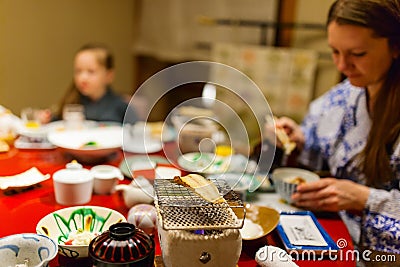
[182,209]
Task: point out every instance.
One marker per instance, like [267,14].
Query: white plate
[168,134]
[88,144]
[203,163]
[26,142]
[132,163]
[237,181]
[137,139]
[39,132]
[60,125]
[157,130]
[43,130]
[301,231]
[209,163]
[148,145]
[22,180]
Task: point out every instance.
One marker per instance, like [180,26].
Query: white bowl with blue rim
[285,178]
[27,249]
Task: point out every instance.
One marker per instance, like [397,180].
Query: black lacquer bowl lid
[122,245]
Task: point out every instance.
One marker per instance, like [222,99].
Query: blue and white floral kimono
[336,130]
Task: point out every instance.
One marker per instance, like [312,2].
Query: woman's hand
[331,194]
[292,129]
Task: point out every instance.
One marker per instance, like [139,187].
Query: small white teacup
[105,179]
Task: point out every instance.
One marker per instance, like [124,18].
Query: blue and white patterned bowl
[28,249]
[283,180]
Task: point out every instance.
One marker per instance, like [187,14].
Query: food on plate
[90,144]
[156,128]
[201,186]
[296,180]
[4,147]
[223,150]
[250,229]
[80,237]
[288,146]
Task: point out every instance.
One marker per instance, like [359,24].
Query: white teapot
[140,190]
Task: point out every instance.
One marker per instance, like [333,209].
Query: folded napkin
[22,180]
[270,256]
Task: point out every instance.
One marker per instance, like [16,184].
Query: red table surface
[19,213]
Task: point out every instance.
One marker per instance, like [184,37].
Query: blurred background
[39,39]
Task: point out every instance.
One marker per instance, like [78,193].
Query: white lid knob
[73,174]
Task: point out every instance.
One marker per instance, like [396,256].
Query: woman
[91,87]
[353,130]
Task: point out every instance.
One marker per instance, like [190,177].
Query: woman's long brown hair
[104,57]
[383,17]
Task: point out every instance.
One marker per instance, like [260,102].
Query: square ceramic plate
[23,180]
[25,142]
[301,231]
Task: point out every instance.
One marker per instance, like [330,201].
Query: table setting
[121,186]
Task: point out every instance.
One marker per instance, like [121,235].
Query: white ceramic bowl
[59,224]
[283,180]
[167,172]
[91,145]
[31,249]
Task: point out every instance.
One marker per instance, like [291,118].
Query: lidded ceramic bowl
[122,245]
[73,185]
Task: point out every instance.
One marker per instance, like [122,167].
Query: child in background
[91,87]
